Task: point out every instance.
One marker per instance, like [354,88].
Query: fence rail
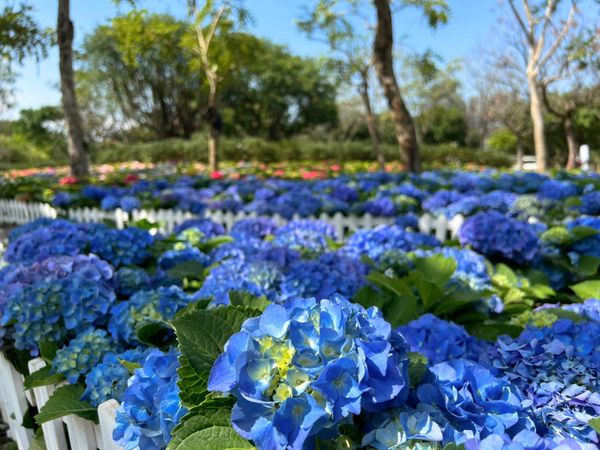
[18,213]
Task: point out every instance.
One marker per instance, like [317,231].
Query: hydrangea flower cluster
[305,235]
[108,379]
[440,341]
[557,368]
[385,238]
[41,240]
[497,236]
[172,258]
[303,368]
[82,354]
[129,280]
[46,300]
[151,406]
[144,307]
[127,247]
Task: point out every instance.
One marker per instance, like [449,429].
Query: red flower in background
[65,181]
[216,175]
[279,173]
[311,175]
[336,167]
[130,178]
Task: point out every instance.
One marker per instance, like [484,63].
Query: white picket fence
[19,213]
[59,434]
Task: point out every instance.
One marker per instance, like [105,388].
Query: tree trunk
[78,150]
[519,154]
[572,145]
[537,117]
[372,124]
[384,66]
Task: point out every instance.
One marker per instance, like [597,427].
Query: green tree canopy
[142,70]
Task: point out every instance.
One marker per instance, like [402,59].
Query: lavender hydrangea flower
[497,236]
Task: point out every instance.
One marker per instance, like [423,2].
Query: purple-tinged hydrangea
[473,402]
[131,246]
[305,235]
[439,340]
[376,242]
[436,202]
[558,370]
[63,293]
[82,354]
[589,308]
[108,379]
[151,406]
[59,237]
[251,230]
[382,206]
[145,307]
[62,199]
[497,236]
[301,369]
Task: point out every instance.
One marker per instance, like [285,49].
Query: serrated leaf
[42,377]
[214,438]
[202,334]
[66,400]
[587,289]
[155,334]
[197,419]
[192,384]
[248,300]
[48,350]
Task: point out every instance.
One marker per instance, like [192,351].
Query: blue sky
[470,24]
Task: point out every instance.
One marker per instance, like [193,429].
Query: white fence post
[15,403]
[106,417]
[82,434]
[54,434]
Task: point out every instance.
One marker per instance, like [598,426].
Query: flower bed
[286,336]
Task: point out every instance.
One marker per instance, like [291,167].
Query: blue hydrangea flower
[207,227]
[172,258]
[255,229]
[129,280]
[403,429]
[497,236]
[590,203]
[471,267]
[305,235]
[81,354]
[127,247]
[589,308]
[108,379]
[63,293]
[384,238]
[151,406]
[382,206]
[62,199]
[439,340]
[145,307]
[558,370]
[302,368]
[128,203]
[58,237]
[473,401]
[109,202]
[557,190]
